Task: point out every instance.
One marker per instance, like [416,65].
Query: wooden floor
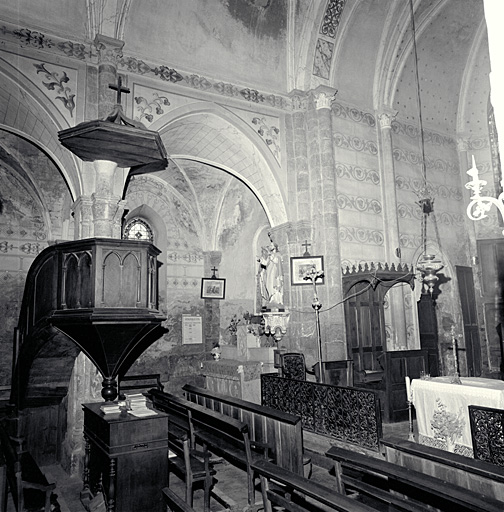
[231,482]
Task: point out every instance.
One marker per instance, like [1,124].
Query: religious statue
[271,277]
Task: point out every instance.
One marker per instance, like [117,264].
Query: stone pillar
[83,218]
[325,219]
[388,189]
[396,318]
[211,322]
[109,50]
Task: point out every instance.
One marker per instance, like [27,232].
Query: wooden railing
[349,415]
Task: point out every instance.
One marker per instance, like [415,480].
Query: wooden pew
[29,487]
[473,474]
[298,494]
[281,431]
[220,434]
[390,483]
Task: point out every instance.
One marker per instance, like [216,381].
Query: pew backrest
[417,487]
[297,486]
[281,432]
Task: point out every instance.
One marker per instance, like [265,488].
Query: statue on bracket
[270,277]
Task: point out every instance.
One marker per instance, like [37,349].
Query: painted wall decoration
[57,82]
[269,134]
[322,59]
[332,18]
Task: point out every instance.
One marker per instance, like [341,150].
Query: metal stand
[313,274]
[316,305]
[411,437]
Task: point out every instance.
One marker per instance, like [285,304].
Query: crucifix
[119,88]
[306,245]
[214,270]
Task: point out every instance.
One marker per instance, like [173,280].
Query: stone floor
[231,482]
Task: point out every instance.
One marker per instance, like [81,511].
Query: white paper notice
[192,331]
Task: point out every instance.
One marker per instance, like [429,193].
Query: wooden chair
[29,487]
[191,465]
[293,366]
[174,503]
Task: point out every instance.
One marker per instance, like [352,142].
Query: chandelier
[428,265]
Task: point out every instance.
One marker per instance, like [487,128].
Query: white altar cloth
[442,409]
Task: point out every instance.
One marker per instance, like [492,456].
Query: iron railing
[349,415]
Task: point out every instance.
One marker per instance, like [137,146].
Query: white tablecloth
[442,409]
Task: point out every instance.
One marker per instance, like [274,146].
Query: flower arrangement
[446,426]
[216,352]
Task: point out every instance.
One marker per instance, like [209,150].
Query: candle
[408,388]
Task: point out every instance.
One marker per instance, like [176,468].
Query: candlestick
[456,377]
[408,388]
[411,436]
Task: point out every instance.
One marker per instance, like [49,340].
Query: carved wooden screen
[366,287]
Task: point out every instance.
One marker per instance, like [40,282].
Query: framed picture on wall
[213,288]
[300,265]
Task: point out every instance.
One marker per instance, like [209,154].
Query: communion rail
[349,415]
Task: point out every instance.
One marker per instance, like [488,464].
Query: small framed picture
[213,288]
[300,265]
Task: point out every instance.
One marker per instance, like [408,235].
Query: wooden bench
[174,503]
[296,493]
[220,434]
[29,487]
[280,431]
[473,474]
[403,488]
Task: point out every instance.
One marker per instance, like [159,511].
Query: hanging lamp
[428,265]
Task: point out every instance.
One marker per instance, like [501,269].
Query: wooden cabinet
[126,458]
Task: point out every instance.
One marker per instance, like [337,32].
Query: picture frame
[299,265]
[213,288]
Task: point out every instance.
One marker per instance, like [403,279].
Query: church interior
[294,204]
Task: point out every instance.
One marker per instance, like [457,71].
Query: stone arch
[30,115]
[241,152]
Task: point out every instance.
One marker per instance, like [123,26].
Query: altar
[442,409]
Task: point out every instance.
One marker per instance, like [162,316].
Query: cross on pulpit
[214,270]
[119,88]
[306,245]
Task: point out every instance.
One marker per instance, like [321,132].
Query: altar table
[442,409]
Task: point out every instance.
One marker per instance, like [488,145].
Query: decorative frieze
[360,204]
[332,17]
[353,114]
[355,143]
[430,137]
[361,235]
[416,185]
[437,165]
[356,173]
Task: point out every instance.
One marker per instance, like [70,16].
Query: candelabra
[480,205]
[313,274]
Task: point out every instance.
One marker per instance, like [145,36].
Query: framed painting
[213,288]
[300,265]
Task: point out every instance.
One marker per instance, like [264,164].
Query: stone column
[325,218]
[83,218]
[396,300]
[211,322]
